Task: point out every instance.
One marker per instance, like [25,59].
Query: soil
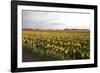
[27,56]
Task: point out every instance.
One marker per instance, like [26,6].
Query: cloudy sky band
[37,19]
[57,11]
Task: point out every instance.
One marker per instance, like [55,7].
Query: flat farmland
[52,45]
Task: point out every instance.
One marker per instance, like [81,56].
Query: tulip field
[57,45]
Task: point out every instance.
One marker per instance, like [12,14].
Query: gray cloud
[54,20]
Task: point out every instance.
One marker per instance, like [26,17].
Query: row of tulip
[57,45]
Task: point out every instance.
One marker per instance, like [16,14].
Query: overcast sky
[55,20]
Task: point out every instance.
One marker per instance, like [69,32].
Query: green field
[50,45]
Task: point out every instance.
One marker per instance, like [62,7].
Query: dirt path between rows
[27,56]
